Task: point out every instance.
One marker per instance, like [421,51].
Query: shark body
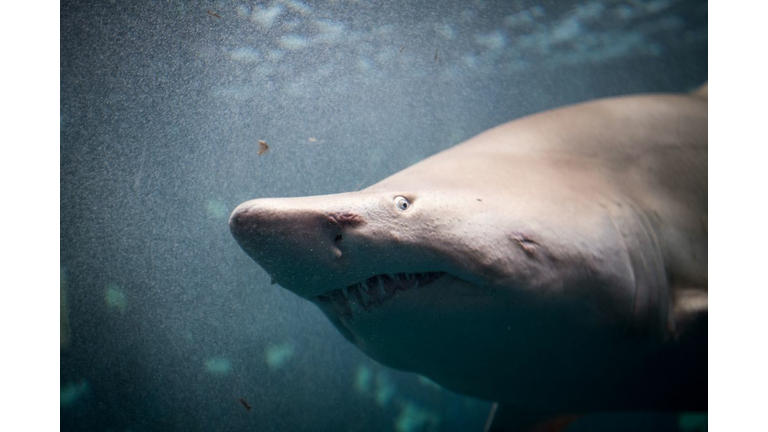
[554,264]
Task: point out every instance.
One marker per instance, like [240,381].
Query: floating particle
[213,14]
[402,48]
[244,403]
[263,147]
[312,139]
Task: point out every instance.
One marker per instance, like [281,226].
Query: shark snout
[248,219]
[296,241]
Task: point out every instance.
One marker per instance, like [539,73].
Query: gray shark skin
[555,264]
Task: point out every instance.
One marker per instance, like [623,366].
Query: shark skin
[555,264]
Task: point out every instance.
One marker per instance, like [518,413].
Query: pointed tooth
[345,292]
[380,284]
[351,295]
[357,302]
[390,286]
[340,303]
[339,308]
[354,294]
[400,283]
[367,299]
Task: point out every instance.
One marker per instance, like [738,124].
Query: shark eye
[402,203]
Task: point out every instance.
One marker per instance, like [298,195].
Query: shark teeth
[372,292]
[380,287]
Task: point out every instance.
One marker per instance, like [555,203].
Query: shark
[555,264]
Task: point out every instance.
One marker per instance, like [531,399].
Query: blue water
[167,322]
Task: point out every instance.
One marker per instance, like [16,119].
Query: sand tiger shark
[555,264]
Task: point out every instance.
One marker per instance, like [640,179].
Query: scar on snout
[346,219]
[526,244]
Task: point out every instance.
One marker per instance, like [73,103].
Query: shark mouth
[374,291]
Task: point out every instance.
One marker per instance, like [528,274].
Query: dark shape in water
[244,403]
[263,147]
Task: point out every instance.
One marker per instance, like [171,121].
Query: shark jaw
[405,327]
[372,293]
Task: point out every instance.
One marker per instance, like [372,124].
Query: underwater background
[166,324]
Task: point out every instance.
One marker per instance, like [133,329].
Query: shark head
[393,269]
[473,282]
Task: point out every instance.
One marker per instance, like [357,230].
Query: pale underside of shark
[556,264]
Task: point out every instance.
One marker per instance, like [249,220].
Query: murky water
[166,324]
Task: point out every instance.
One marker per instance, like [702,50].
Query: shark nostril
[237,219]
[337,239]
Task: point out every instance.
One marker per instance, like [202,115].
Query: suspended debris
[263,147]
[244,403]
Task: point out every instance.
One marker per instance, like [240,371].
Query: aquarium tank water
[173,112]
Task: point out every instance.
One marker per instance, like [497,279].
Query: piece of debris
[480,200]
[437,59]
[263,147]
[312,139]
[402,48]
[245,403]
[213,14]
